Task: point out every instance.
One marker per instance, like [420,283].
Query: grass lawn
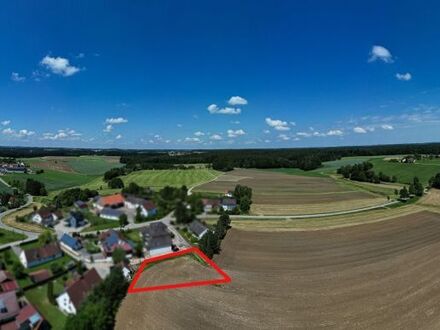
[423,169]
[38,298]
[7,236]
[133,235]
[157,179]
[53,180]
[3,187]
[97,223]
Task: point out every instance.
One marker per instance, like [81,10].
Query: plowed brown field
[383,275]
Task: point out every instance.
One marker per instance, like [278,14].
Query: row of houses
[18,167]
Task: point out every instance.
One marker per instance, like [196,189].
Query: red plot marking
[224,278]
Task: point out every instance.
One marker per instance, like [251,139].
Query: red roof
[148,205]
[40,275]
[26,312]
[112,200]
[9,286]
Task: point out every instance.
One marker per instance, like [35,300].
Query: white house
[69,301]
[147,207]
[197,229]
[45,216]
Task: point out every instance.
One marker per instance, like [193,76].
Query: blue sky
[224,74]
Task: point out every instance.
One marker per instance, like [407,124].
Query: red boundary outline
[224,277]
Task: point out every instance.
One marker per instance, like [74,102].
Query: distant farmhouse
[112,201]
[12,168]
[147,207]
[7,282]
[197,229]
[112,240]
[213,204]
[69,301]
[46,216]
[37,256]
[110,214]
[157,238]
[228,204]
[70,245]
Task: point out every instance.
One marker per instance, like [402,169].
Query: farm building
[110,214]
[228,204]
[70,243]
[157,238]
[147,207]
[111,201]
[46,216]
[210,204]
[37,256]
[19,168]
[7,282]
[75,219]
[197,229]
[111,240]
[40,275]
[69,301]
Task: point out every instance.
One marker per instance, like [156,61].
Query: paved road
[303,216]
[30,235]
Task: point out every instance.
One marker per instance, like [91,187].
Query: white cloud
[16,77]
[292,123]
[179,125]
[237,100]
[192,139]
[387,127]
[233,134]
[108,128]
[266,131]
[304,134]
[118,137]
[199,133]
[215,109]
[5,122]
[235,122]
[277,124]
[380,53]
[284,137]
[359,130]
[404,76]
[335,132]
[62,134]
[114,121]
[20,134]
[216,137]
[8,131]
[59,65]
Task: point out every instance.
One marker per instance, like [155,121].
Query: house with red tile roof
[74,295]
[27,318]
[7,281]
[112,201]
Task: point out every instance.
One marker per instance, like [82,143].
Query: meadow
[423,169]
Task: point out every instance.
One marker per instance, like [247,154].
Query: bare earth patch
[378,276]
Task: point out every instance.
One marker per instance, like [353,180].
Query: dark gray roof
[197,228]
[157,236]
[134,200]
[111,212]
[229,201]
[158,242]
[156,229]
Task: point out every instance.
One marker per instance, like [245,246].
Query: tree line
[210,244]
[363,172]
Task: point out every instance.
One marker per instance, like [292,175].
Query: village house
[7,281]
[228,204]
[210,204]
[37,256]
[46,216]
[75,219]
[28,318]
[111,201]
[147,207]
[69,301]
[197,229]
[110,214]
[157,238]
[18,168]
[70,244]
[9,307]
[112,240]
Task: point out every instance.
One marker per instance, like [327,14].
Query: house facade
[197,229]
[157,239]
[46,216]
[228,204]
[69,301]
[34,257]
[147,207]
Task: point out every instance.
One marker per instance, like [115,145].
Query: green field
[53,180]
[3,187]
[423,169]
[92,165]
[7,236]
[157,179]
